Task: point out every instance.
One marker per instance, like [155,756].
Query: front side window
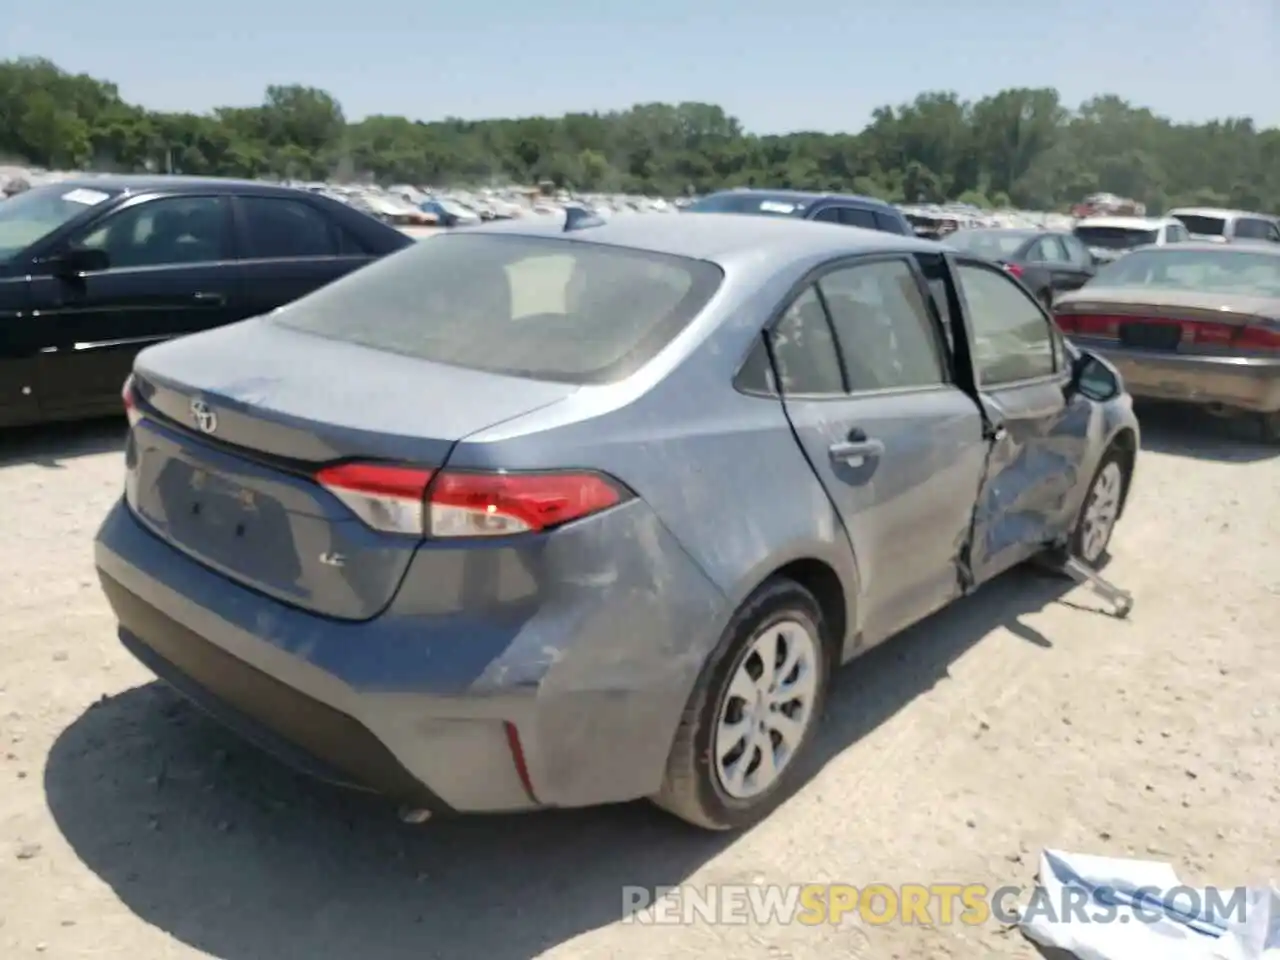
[551,309]
[1078,252]
[883,326]
[36,213]
[167,231]
[1049,250]
[1012,338]
[858,217]
[276,228]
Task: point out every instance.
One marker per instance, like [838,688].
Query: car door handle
[214,299]
[861,449]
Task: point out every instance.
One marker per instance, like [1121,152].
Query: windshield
[26,218]
[1171,268]
[774,206]
[992,244]
[1203,226]
[1116,238]
[548,309]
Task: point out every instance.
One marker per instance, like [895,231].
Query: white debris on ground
[1111,908]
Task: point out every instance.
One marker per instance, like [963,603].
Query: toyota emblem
[206,419]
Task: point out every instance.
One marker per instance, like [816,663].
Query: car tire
[1100,510]
[700,786]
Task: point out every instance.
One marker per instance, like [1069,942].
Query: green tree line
[1020,146]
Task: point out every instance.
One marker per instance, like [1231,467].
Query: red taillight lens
[452,503]
[130,401]
[387,498]
[1234,336]
[1014,269]
[1090,325]
[500,504]
[1251,338]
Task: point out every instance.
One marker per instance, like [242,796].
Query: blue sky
[778,65]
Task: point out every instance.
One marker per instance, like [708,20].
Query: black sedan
[93,270]
[1047,262]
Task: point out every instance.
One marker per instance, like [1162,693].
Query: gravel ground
[132,827]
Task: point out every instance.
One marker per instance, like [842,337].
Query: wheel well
[824,583]
[1125,444]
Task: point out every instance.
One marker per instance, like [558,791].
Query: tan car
[1194,322]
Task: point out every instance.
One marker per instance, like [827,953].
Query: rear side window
[285,229]
[804,350]
[548,309]
[1249,229]
[889,224]
[884,330]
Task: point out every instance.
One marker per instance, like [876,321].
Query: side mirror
[1094,378]
[78,260]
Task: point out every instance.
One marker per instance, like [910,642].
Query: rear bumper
[1246,383]
[421,708]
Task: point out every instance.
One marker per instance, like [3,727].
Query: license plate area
[225,523]
[1151,336]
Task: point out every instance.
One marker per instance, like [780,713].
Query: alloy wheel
[767,709]
[1100,512]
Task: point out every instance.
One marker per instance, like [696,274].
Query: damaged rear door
[1037,439]
[862,368]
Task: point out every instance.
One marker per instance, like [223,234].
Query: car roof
[719,237]
[1126,223]
[146,183]
[807,197]
[1027,232]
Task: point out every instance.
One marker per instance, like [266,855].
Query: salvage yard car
[1046,261]
[552,516]
[845,209]
[1109,238]
[92,271]
[1198,322]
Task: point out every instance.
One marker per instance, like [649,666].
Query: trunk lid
[235,424]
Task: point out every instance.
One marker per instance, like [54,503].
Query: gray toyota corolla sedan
[549,516]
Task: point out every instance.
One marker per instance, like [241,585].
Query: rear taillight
[388,498]
[500,504]
[1089,325]
[1013,268]
[455,503]
[130,400]
[1233,336]
[1202,333]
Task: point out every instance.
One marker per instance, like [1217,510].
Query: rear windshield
[537,307]
[1203,226]
[1115,238]
[1173,268]
[748,203]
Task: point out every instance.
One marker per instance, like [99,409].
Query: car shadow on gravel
[227,851]
[52,445]
[1186,431]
